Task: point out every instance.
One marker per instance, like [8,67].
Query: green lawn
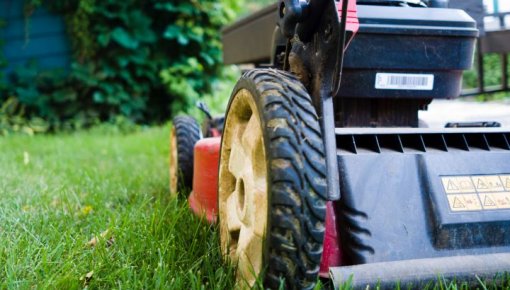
[58,192]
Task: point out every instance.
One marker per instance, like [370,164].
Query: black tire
[186,132]
[296,183]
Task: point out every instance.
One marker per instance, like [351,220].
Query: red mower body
[203,200]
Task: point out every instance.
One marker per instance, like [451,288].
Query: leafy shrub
[492,76]
[141,59]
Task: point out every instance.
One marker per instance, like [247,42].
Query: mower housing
[416,204]
[400,59]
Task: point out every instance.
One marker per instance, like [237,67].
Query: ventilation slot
[497,141]
[345,144]
[456,142]
[434,142]
[366,143]
[477,141]
[422,143]
[390,143]
[412,143]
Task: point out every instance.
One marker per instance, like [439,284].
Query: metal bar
[420,273]
[327,121]
[498,14]
[481,74]
[328,112]
[496,6]
[413,131]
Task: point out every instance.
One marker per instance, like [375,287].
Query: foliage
[492,76]
[139,59]
[12,120]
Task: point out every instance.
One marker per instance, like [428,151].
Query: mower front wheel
[272,183]
[183,137]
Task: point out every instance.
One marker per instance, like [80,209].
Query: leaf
[98,97]
[122,37]
[86,278]
[172,32]
[104,39]
[110,239]
[183,40]
[166,6]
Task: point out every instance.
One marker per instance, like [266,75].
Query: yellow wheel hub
[243,196]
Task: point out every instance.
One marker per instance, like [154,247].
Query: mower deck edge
[421,272]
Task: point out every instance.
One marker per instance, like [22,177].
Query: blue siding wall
[47,41]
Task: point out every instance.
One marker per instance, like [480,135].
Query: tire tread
[296,226]
[187,133]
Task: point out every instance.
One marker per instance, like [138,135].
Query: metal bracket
[315,53]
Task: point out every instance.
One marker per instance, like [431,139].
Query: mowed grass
[57,192]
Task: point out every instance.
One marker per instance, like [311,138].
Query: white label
[421,82]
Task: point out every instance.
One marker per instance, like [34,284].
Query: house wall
[41,37]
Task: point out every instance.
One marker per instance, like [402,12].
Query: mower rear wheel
[272,183]
[183,137]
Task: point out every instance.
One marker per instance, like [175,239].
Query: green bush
[140,59]
[492,76]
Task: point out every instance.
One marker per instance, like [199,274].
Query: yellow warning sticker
[496,200]
[477,192]
[488,183]
[506,181]
[464,202]
[458,184]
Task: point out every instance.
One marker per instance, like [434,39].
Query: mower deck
[410,194]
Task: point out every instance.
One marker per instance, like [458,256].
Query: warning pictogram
[495,200]
[452,186]
[458,184]
[487,201]
[457,204]
[488,183]
[481,185]
[464,202]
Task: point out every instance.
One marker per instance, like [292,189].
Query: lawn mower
[322,169]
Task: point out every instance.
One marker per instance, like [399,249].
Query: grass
[58,192]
